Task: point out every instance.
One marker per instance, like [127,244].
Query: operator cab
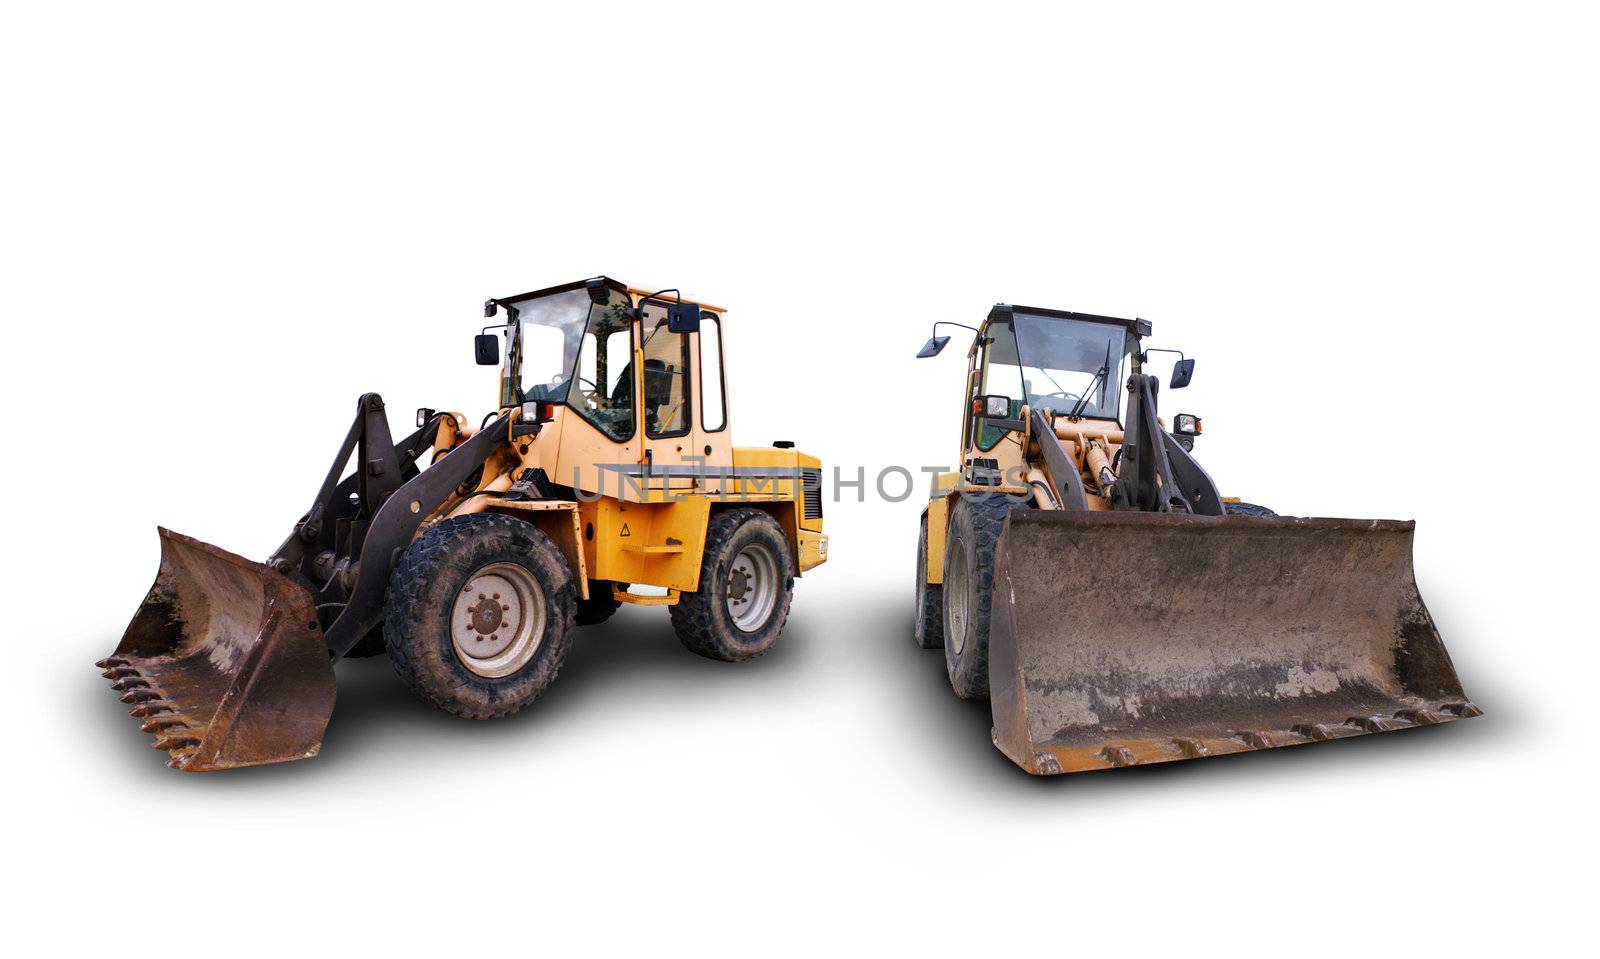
[613,379]
[1071,369]
[1073,364]
[578,345]
[1055,362]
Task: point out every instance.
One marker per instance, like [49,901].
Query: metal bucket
[1128,638]
[224,662]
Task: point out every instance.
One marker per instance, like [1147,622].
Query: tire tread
[696,618]
[405,609]
[969,674]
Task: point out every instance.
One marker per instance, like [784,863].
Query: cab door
[995,370]
[969,423]
[671,427]
[601,445]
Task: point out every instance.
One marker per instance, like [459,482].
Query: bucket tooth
[1046,764]
[1418,717]
[1253,738]
[177,741]
[1193,748]
[151,707]
[163,722]
[110,662]
[119,672]
[1461,710]
[142,694]
[1316,732]
[1372,724]
[1118,756]
[130,682]
[180,758]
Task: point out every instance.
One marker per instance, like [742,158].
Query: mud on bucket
[1127,638]
[224,662]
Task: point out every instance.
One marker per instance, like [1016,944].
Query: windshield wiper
[1099,377]
[1089,391]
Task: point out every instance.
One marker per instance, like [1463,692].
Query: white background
[1374,226]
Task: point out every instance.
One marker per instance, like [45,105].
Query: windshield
[548,332]
[1059,363]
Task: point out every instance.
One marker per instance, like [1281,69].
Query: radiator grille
[811,485]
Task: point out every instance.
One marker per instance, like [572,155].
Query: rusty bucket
[1129,638]
[224,662]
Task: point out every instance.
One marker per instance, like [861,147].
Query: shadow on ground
[855,652]
[635,652]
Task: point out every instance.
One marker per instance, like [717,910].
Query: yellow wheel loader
[607,476]
[1082,572]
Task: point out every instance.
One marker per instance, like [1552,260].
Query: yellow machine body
[228,662]
[1130,618]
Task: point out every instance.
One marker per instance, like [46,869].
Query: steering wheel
[589,392]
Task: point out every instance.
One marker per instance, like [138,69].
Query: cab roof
[1004,311]
[617,285]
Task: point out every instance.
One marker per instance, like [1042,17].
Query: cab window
[666,375]
[713,412]
[602,389]
[1000,375]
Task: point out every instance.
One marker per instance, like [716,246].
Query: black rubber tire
[424,586]
[701,618]
[1246,509]
[599,606]
[975,525]
[928,628]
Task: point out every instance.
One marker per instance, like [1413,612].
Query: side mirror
[683,317]
[1182,373]
[424,414]
[932,347]
[487,348]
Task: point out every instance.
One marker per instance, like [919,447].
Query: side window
[603,388]
[666,376]
[713,412]
[1001,376]
[969,423]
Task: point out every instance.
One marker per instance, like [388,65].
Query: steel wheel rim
[955,602]
[498,620]
[752,587]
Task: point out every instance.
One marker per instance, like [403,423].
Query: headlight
[1186,424]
